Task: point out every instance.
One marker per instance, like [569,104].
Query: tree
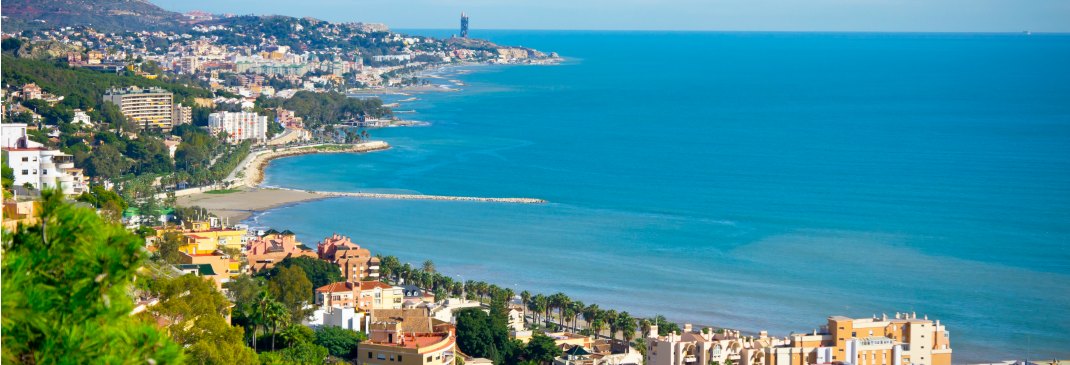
[167,247]
[277,315]
[429,266]
[486,335]
[291,288]
[196,315]
[542,349]
[303,353]
[66,294]
[244,291]
[339,341]
[106,162]
[319,272]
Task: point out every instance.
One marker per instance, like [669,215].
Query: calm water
[748,180]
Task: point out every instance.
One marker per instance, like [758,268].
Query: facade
[202,239]
[362,295]
[239,126]
[38,167]
[355,262]
[902,340]
[81,118]
[264,252]
[407,337]
[219,268]
[182,115]
[148,108]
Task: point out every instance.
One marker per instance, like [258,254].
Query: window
[428,359]
[369,354]
[854,334]
[399,358]
[380,357]
[25,172]
[25,159]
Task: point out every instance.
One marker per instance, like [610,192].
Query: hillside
[103,15]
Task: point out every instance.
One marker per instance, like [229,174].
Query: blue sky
[773,15]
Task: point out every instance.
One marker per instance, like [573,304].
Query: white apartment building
[148,108]
[39,167]
[239,126]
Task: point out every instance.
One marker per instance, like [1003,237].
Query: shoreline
[251,172]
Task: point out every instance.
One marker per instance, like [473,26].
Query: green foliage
[319,272]
[541,349]
[303,353]
[111,205]
[83,88]
[66,294]
[486,335]
[167,247]
[291,287]
[327,108]
[107,162]
[339,341]
[8,174]
[195,312]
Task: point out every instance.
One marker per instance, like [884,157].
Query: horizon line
[753,31]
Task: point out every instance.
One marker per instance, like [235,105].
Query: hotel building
[407,337]
[148,108]
[239,126]
[355,262]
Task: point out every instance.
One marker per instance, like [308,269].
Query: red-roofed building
[264,252]
[363,295]
[355,262]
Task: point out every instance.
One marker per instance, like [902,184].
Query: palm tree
[644,325]
[597,325]
[259,312]
[276,315]
[590,313]
[611,320]
[561,301]
[627,326]
[525,299]
[577,309]
[429,266]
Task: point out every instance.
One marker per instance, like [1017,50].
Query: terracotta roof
[335,287]
[369,285]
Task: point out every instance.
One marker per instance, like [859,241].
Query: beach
[240,205]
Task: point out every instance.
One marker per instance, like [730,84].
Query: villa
[363,295]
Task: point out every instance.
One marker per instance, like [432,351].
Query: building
[264,252]
[355,262]
[362,295]
[392,58]
[464,25]
[38,167]
[700,347]
[148,108]
[81,118]
[407,337]
[217,267]
[182,115]
[201,238]
[239,126]
[348,318]
[31,91]
[902,340]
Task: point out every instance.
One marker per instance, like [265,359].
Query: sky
[725,15]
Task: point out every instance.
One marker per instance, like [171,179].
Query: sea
[757,181]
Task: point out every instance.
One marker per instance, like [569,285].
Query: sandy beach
[238,206]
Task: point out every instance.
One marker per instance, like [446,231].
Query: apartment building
[355,262]
[407,337]
[239,126]
[148,107]
[362,295]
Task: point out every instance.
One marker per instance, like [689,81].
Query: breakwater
[425,197]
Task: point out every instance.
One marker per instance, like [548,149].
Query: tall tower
[464,25]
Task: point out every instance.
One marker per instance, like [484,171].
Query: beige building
[902,340]
[182,115]
[148,108]
[363,295]
[407,337]
[355,262]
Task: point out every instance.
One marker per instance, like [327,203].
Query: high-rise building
[464,25]
[182,115]
[239,126]
[148,108]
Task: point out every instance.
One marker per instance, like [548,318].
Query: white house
[81,119]
[39,167]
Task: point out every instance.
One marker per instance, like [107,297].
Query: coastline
[251,172]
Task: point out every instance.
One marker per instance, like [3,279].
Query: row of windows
[392,357]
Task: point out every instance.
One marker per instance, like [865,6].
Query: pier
[426,197]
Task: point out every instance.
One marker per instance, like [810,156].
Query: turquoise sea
[747,180]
